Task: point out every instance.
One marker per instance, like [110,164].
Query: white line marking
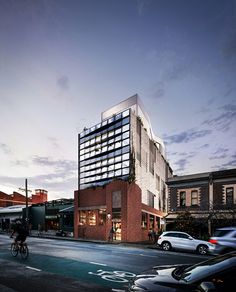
[35,269]
[99,264]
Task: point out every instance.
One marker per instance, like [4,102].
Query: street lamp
[109,216]
[26,200]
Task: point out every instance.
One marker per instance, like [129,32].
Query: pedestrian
[111,234]
[153,234]
[39,229]
[149,235]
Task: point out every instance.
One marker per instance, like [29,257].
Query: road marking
[32,268]
[99,264]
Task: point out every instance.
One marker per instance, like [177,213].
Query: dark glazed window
[182,199]
[229,196]
[194,198]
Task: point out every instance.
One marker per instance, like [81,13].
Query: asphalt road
[62,265]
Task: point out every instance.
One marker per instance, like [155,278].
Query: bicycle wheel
[14,249]
[24,251]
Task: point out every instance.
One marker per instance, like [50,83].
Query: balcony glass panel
[118,172]
[125,113]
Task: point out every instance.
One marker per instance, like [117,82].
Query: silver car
[180,240]
[224,240]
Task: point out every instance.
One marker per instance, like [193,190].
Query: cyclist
[21,231]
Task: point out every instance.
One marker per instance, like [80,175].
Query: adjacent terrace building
[122,170]
[209,197]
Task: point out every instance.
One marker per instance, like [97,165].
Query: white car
[181,240]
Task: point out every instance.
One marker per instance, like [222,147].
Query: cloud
[204,146]
[159,90]
[54,182]
[230,164]
[181,164]
[54,142]
[20,163]
[140,6]
[230,48]
[63,82]
[227,165]
[225,119]
[5,148]
[186,136]
[220,153]
[62,166]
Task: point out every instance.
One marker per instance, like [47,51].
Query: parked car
[61,233]
[216,274]
[180,240]
[224,240]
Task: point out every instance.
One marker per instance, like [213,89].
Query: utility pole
[26,200]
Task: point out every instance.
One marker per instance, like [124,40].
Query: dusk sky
[63,62]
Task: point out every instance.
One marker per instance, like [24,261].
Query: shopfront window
[101,216]
[82,217]
[144,220]
[91,218]
[151,223]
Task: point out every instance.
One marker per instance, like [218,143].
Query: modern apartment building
[122,175]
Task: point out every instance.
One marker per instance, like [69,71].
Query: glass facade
[104,151]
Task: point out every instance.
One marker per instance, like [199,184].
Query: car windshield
[205,269]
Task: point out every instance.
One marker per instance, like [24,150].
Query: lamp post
[26,199]
[109,225]
[109,216]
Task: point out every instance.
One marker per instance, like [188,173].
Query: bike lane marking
[34,269]
[99,264]
[88,272]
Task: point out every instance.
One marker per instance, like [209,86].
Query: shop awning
[68,209]
[91,208]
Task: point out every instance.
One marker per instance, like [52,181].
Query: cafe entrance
[116,223]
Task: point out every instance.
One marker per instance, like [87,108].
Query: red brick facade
[98,200]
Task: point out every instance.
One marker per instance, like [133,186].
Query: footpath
[51,234]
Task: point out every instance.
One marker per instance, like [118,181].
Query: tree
[185,222]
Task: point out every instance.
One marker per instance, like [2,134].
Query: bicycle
[22,248]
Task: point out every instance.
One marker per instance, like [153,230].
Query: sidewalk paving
[52,234]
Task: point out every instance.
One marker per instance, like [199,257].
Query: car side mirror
[206,287]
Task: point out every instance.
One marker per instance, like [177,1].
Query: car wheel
[202,249]
[166,245]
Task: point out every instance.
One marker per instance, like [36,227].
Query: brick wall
[102,196]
